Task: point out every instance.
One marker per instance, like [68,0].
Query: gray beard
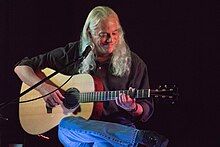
[101,50]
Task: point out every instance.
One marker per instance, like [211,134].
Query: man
[118,68]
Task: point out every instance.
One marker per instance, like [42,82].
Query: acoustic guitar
[35,118]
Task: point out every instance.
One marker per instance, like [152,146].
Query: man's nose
[109,38]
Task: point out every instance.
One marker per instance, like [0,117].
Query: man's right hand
[55,98]
[52,99]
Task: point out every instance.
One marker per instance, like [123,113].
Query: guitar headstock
[168,93]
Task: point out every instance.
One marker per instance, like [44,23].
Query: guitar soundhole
[71,100]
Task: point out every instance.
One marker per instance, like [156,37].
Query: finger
[54,103]
[49,105]
[117,101]
[60,94]
[50,102]
[121,99]
[124,98]
[130,99]
[56,98]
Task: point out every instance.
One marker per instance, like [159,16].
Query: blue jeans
[78,132]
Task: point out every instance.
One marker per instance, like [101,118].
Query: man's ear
[89,33]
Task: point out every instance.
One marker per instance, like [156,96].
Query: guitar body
[33,115]
[35,119]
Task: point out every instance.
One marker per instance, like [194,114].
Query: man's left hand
[126,102]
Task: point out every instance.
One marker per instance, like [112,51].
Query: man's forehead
[108,28]
[109,21]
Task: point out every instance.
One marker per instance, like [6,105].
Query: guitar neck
[111,95]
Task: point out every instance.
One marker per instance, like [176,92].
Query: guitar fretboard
[111,95]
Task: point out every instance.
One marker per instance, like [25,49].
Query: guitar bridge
[49,110]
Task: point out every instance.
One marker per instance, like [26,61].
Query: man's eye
[115,33]
[103,34]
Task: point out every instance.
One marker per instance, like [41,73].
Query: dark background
[176,39]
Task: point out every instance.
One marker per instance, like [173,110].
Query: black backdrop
[174,38]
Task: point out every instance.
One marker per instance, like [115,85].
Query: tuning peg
[170,97]
[163,96]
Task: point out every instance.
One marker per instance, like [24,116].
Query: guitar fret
[117,94]
[112,94]
[140,94]
[136,94]
[98,96]
[102,96]
[148,95]
[106,95]
[145,93]
[92,95]
[86,97]
[82,98]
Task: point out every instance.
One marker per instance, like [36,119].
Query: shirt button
[100,68]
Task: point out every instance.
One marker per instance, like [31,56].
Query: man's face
[106,37]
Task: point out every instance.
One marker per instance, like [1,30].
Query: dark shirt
[138,78]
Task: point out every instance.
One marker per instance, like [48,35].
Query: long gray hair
[121,57]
